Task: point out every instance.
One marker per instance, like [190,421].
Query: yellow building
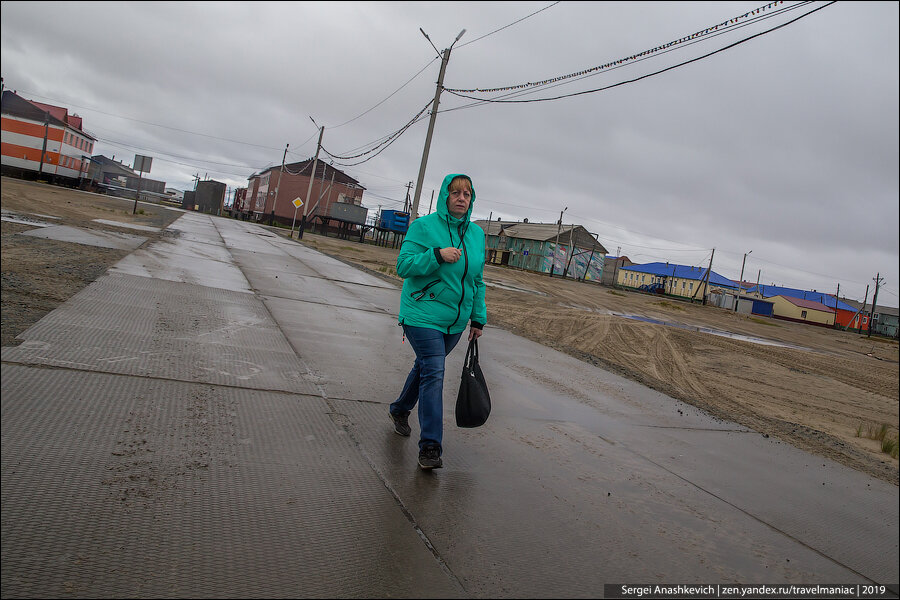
[802,311]
[673,280]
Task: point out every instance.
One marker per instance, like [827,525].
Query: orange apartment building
[43,140]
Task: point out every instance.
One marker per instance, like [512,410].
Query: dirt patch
[40,274]
[814,394]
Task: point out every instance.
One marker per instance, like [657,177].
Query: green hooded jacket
[436,294]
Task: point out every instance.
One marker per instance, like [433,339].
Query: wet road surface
[210,419]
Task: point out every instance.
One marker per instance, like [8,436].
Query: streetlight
[741,281]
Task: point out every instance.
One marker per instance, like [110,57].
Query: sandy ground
[814,394]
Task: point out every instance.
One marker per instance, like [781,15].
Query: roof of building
[323,171]
[681,272]
[826,299]
[545,232]
[810,304]
[491,227]
[15,105]
[884,310]
[108,164]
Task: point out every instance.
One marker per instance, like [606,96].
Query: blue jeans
[425,383]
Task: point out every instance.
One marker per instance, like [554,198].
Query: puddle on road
[718,332]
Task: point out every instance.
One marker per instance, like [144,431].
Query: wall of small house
[787,310]
[296,186]
[888,325]
[852,320]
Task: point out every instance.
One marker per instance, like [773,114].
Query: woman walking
[442,264]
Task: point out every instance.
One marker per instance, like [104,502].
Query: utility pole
[406,203]
[44,148]
[741,281]
[487,236]
[278,185]
[878,279]
[704,278]
[571,250]
[430,204]
[445,57]
[616,266]
[861,308]
[837,295]
[556,247]
[311,177]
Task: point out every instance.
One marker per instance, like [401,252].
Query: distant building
[683,281]
[789,308]
[534,247]
[42,139]
[209,197]
[270,191]
[175,195]
[118,179]
[845,315]
[611,266]
[884,321]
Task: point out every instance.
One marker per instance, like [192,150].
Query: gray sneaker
[430,458]
[401,424]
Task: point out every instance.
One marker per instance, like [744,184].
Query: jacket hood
[445,193]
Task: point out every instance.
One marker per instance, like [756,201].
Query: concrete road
[209,419]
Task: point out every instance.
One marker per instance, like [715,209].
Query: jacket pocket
[430,292]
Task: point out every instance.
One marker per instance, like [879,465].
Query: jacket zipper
[462,243]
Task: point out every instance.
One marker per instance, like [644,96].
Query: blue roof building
[672,279]
[767,291]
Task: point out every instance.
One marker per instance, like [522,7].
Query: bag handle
[471,352]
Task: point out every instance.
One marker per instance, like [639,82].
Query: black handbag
[473,403]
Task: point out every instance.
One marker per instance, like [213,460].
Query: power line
[646,76]
[148,122]
[386,99]
[390,139]
[620,64]
[510,25]
[163,153]
[662,48]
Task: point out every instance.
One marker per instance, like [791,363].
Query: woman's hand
[451,254]
[474,334]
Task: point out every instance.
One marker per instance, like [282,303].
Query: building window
[803,314]
[865,320]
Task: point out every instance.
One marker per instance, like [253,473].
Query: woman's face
[459,199]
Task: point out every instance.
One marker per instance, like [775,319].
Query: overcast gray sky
[785,145]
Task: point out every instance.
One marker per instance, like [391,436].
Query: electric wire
[687,39]
[620,64]
[390,139]
[506,26]
[388,98]
[66,103]
[647,75]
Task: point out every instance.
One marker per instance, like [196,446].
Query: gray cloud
[786,145]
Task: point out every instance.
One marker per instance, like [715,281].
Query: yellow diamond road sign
[298,202]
